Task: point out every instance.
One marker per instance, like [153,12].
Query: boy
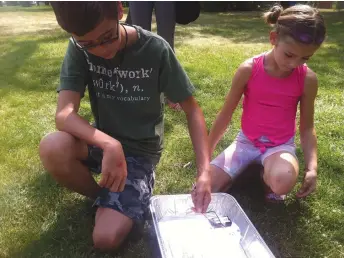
[127,71]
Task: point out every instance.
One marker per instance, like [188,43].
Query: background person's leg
[141,13]
[166,20]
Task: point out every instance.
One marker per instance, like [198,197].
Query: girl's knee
[282,179]
[220,180]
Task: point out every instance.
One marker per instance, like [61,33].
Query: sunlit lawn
[40,219]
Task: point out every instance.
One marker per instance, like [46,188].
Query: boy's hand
[201,193]
[114,168]
[309,184]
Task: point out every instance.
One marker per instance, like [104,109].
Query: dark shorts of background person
[133,202]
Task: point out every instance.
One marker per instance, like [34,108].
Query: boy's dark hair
[301,22]
[80,18]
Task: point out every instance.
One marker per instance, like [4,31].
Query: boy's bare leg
[111,228]
[61,155]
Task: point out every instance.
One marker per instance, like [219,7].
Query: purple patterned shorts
[243,152]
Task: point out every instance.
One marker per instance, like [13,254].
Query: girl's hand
[309,184]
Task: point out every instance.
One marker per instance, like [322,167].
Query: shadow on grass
[248,27]
[330,56]
[237,27]
[288,229]
[21,70]
[334,25]
[329,61]
[276,223]
[67,224]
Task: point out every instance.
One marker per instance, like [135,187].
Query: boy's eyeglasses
[100,42]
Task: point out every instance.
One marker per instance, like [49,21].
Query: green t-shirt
[127,92]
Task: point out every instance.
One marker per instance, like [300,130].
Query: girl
[273,84]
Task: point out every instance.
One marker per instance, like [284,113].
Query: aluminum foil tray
[223,231]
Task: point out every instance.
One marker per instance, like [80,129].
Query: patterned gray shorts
[134,200]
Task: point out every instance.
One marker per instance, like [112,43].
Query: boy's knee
[106,241]
[110,230]
[55,147]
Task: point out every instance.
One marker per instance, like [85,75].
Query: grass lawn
[40,219]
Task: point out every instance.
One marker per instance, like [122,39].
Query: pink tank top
[270,105]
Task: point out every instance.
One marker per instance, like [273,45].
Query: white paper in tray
[183,233]
[195,237]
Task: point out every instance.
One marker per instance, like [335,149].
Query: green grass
[40,219]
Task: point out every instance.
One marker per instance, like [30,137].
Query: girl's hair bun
[272,15]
